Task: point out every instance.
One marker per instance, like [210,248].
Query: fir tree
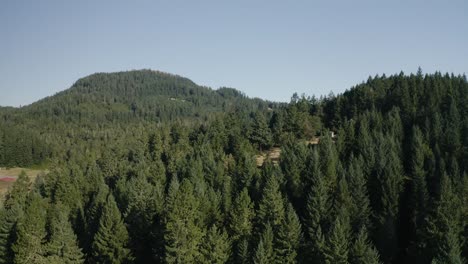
[62,245]
[31,235]
[111,238]
[216,247]
[288,237]
[8,227]
[443,229]
[183,231]
[362,251]
[317,215]
[271,207]
[265,252]
[337,246]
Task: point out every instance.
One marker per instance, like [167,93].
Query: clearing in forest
[9,176]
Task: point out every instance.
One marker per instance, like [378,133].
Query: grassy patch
[14,173]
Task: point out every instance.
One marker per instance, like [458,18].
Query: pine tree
[183,226]
[328,161]
[241,216]
[19,192]
[293,163]
[360,210]
[111,238]
[288,237]
[141,204]
[260,134]
[242,255]
[362,251]
[29,245]
[389,185]
[62,245]
[271,207]
[419,187]
[337,246]
[419,197]
[216,247]
[443,229]
[317,215]
[265,253]
[8,220]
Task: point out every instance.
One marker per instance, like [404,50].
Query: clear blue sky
[267,49]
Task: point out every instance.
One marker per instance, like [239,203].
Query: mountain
[389,185]
[137,95]
[104,102]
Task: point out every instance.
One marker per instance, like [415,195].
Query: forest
[149,167]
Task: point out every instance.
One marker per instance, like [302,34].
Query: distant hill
[136,95]
[113,101]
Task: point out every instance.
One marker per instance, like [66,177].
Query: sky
[267,49]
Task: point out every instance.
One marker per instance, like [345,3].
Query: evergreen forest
[149,167]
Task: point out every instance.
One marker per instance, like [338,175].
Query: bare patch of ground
[272,154]
[9,176]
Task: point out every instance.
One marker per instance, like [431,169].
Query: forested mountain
[105,101]
[390,185]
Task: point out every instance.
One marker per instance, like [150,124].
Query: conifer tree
[328,161]
[92,217]
[443,229]
[419,187]
[362,251]
[111,238]
[360,210]
[260,134]
[183,226]
[338,242]
[240,225]
[317,216]
[19,192]
[31,232]
[62,245]
[241,216]
[8,227]
[288,237]
[292,163]
[389,177]
[216,247]
[271,207]
[264,253]
[141,206]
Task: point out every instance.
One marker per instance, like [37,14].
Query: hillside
[137,95]
[244,186]
[104,102]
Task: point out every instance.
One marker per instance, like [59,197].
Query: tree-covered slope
[114,101]
[138,95]
[390,187]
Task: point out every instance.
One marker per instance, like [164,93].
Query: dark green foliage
[183,231]
[111,239]
[336,248]
[260,134]
[29,246]
[62,245]
[216,247]
[8,228]
[389,186]
[362,251]
[264,253]
[240,226]
[289,237]
[443,229]
[271,208]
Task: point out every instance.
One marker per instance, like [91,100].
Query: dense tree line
[101,105]
[391,187]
